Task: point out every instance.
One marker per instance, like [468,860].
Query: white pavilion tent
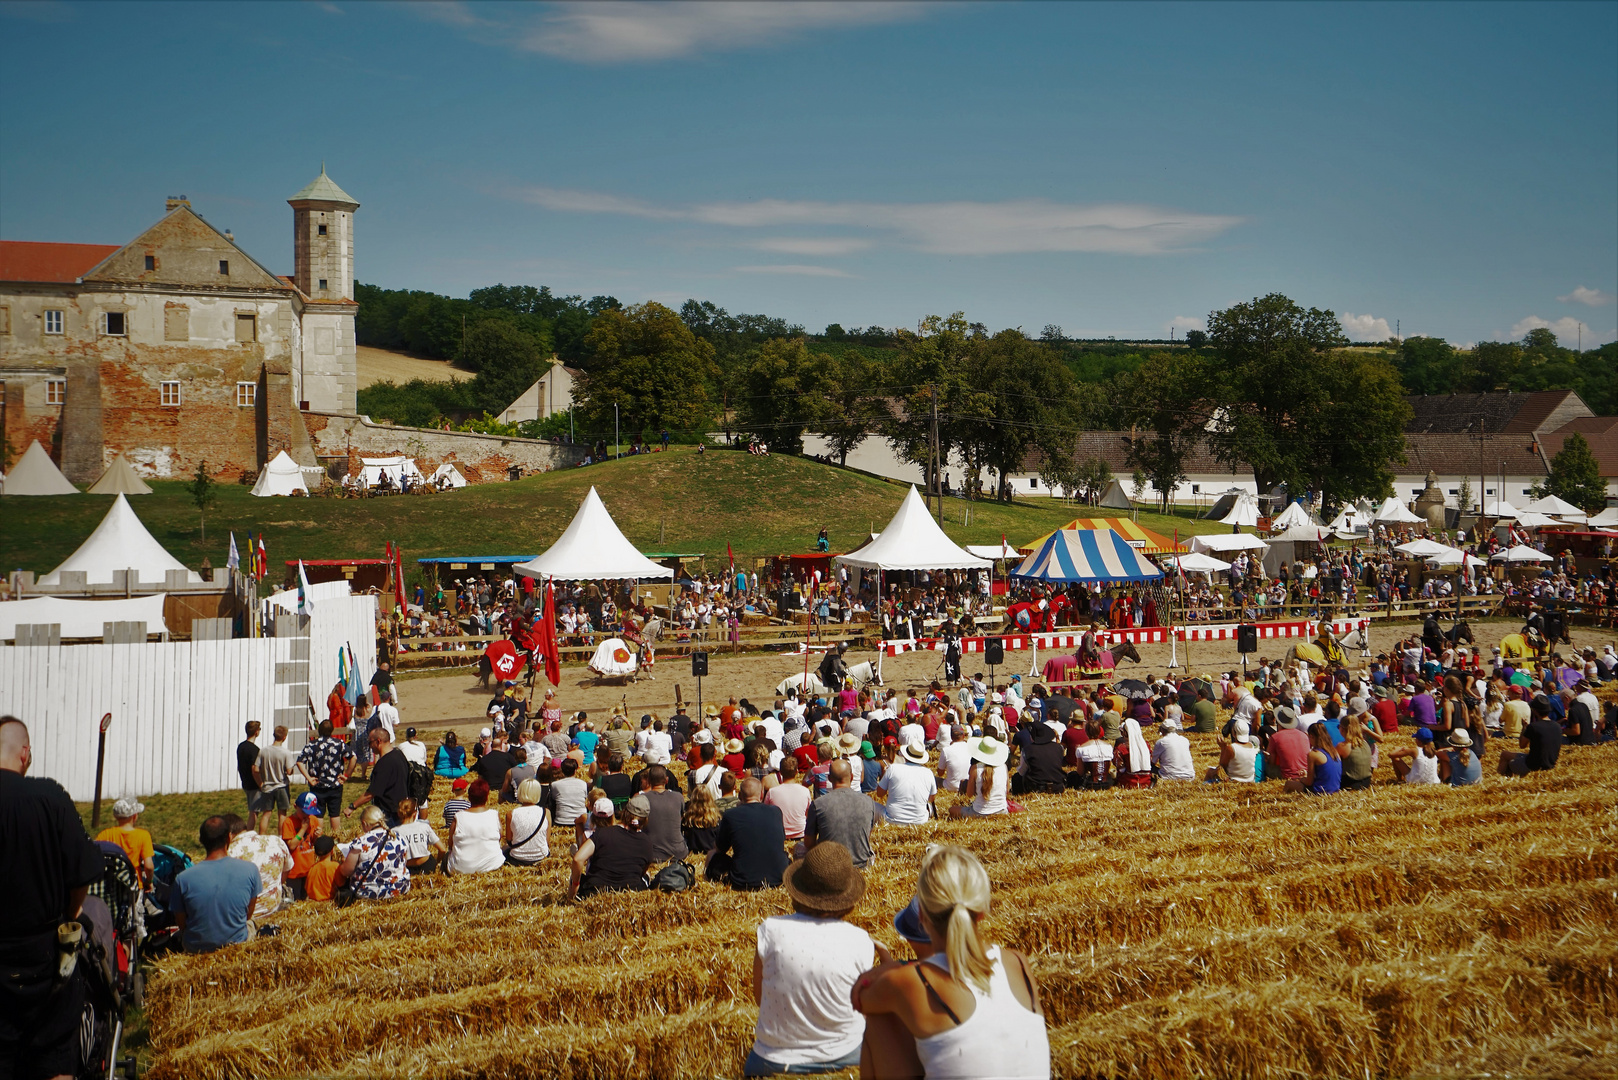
[1499,509]
[447,475]
[36,474]
[120,478]
[592,548]
[994,551]
[1292,517]
[1423,549]
[1607,519]
[913,541]
[1394,512]
[395,468]
[1243,512]
[1456,557]
[1551,506]
[1521,553]
[1534,519]
[282,476]
[1197,563]
[1223,543]
[1350,521]
[120,542]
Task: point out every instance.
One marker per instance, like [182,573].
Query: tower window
[55,391]
[322,284]
[169,393]
[224,266]
[246,394]
[53,322]
[322,230]
[114,324]
[151,262]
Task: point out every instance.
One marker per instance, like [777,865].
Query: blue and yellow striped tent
[1086,555]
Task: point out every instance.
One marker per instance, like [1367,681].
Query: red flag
[263,558]
[730,556]
[398,577]
[547,637]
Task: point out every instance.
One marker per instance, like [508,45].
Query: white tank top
[1240,767]
[1000,1039]
[1423,769]
[991,796]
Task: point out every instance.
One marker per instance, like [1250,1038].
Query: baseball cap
[127,807]
[1424,735]
[640,806]
[307,804]
[603,808]
[459,784]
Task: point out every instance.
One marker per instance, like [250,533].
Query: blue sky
[1112,169]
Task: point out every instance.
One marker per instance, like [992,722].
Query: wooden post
[101,759]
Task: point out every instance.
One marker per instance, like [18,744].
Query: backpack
[675,877]
[419,784]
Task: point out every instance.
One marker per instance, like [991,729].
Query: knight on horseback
[1089,650]
[833,670]
[1432,635]
[1330,647]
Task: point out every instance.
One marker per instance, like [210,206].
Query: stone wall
[479,458]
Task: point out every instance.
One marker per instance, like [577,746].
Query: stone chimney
[174,202]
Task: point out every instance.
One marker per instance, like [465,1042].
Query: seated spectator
[791,798]
[1358,748]
[1416,764]
[456,802]
[727,797]
[1095,756]
[844,816]
[321,881]
[375,865]
[616,857]
[127,834]
[299,831]
[910,787]
[1541,743]
[750,848]
[986,783]
[912,1011]
[570,796]
[805,966]
[1171,754]
[1287,756]
[214,900]
[1239,758]
[699,823]
[618,785]
[666,820]
[528,828]
[870,768]
[474,837]
[1325,775]
[269,855]
[1042,763]
[1460,766]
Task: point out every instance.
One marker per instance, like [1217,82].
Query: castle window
[224,266]
[151,262]
[246,326]
[55,391]
[246,394]
[53,322]
[322,230]
[113,324]
[5,320]
[322,284]
[169,393]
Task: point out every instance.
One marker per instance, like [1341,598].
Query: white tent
[282,476]
[1394,512]
[36,474]
[1533,519]
[448,475]
[592,549]
[81,618]
[1222,543]
[394,467]
[913,541]
[1607,519]
[1243,512]
[1551,506]
[1522,553]
[1351,520]
[1294,515]
[1499,508]
[120,542]
[994,551]
[1198,563]
[120,479]
[1455,557]
[1423,549]
[1304,534]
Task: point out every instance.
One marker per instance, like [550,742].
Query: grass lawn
[174,819]
[675,501]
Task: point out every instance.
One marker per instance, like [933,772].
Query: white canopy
[36,474]
[448,475]
[373,469]
[1520,553]
[1243,513]
[1394,512]
[1423,548]
[1607,519]
[81,618]
[1499,508]
[282,476]
[1225,542]
[1306,534]
[1350,520]
[994,551]
[1455,557]
[1552,506]
[120,542]
[1198,563]
[120,479]
[1293,516]
[592,549]
[1533,519]
[913,541]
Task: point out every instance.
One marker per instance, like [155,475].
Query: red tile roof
[25,260]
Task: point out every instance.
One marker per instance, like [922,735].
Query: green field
[675,501]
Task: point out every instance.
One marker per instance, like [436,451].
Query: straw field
[1185,931]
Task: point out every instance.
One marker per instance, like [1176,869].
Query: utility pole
[937,464]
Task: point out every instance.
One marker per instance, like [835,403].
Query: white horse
[860,675]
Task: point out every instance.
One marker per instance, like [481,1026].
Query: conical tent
[1293,516]
[1115,498]
[592,549]
[1551,506]
[1499,508]
[36,474]
[1607,519]
[120,479]
[1243,512]
[447,475]
[1224,503]
[1394,512]
[120,542]
[282,476]
[913,541]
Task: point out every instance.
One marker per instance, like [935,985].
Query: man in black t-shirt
[382,682]
[1541,739]
[390,778]
[493,766]
[47,864]
[246,758]
[750,852]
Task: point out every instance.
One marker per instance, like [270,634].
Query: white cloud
[1364,327]
[613,31]
[1182,323]
[1567,330]
[800,269]
[1590,297]
[1015,226]
[795,245]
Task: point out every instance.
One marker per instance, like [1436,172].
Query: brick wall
[479,458]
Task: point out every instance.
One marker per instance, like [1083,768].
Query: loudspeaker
[1246,639]
[994,651]
[699,664]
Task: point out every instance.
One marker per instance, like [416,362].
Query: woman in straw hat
[968,1010]
[804,969]
[1460,765]
[986,780]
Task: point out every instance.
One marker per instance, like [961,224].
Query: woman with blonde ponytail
[971,1009]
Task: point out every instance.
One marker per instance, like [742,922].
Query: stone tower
[323,239]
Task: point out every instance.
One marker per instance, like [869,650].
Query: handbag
[544,820]
[344,894]
[675,877]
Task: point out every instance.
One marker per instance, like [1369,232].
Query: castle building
[178,347]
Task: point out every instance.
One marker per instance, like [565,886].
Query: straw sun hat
[825,879]
[990,751]
[913,752]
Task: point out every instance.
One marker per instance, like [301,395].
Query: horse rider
[952,656]
[1432,636]
[1089,651]
[1330,647]
[832,668]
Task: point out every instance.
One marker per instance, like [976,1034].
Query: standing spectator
[390,779]
[844,816]
[804,969]
[615,858]
[213,901]
[47,865]
[665,818]
[246,760]
[375,866]
[127,834]
[910,787]
[338,710]
[382,683]
[269,855]
[750,850]
[325,764]
[274,789]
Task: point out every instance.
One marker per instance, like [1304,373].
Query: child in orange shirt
[136,842]
[321,880]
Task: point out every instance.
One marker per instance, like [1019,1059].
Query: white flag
[235,560]
[305,605]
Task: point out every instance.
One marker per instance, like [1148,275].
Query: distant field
[384,365]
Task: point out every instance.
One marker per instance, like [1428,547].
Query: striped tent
[1095,555]
[1143,540]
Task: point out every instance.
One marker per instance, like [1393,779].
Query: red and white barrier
[1150,635]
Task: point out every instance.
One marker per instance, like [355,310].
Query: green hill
[675,501]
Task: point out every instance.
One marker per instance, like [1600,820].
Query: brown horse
[1108,659]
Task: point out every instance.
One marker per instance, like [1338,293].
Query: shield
[504,660]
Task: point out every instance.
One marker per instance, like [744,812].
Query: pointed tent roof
[1086,555]
[1244,511]
[913,541]
[592,549]
[1521,553]
[1293,516]
[1115,498]
[281,476]
[120,542]
[1348,520]
[1499,508]
[1551,506]
[120,479]
[36,474]
[1140,537]
[1394,511]
[323,189]
[1606,518]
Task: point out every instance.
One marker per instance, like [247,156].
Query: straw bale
[1578,1054]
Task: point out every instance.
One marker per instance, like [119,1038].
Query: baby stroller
[162,935]
[109,964]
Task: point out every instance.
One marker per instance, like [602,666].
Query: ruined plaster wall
[480,458]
